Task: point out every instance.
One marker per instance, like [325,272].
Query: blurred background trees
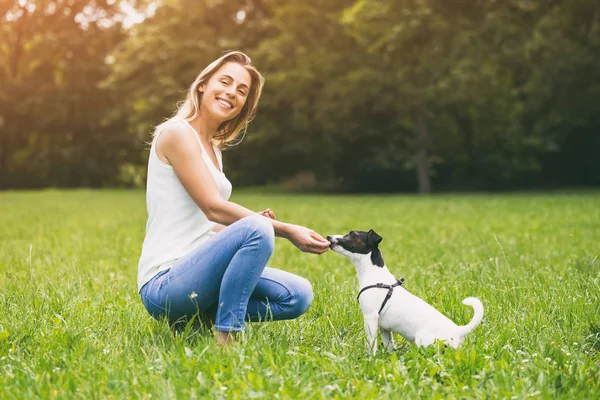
[360,95]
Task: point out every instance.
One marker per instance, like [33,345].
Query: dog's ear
[373,239]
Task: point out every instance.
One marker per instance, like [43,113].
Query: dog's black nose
[331,241]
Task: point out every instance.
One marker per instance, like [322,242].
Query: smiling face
[225,93]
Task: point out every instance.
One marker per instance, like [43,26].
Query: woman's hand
[307,240]
[268,213]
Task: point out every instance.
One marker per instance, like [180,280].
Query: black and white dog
[391,308]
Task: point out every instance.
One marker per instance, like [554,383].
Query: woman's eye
[242,92]
[224,82]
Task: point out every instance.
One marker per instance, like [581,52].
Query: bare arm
[266,213]
[180,148]
[218,228]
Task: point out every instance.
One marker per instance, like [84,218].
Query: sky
[133,16]
[130,15]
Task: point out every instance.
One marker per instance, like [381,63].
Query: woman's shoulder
[174,136]
[171,125]
[172,129]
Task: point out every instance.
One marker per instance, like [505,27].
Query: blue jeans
[226,278]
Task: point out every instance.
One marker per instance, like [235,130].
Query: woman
[203,253]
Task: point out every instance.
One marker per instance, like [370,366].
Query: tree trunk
[422,142]
[465,125]
[5,150]
[3,158]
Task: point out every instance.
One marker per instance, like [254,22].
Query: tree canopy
[360,95]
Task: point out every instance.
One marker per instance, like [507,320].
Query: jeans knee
[303,297]
[263,228]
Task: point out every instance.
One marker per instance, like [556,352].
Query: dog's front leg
[388,340]
[371,326]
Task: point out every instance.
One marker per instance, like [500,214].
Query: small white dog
[391,308]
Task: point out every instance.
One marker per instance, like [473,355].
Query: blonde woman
[202,252]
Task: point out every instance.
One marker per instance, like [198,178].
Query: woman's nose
[229,91]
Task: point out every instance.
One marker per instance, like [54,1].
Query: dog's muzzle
[332,241]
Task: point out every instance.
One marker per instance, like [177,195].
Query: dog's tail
[476,320]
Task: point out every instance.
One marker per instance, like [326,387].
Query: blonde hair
[228,131]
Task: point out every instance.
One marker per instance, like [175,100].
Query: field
[72,324]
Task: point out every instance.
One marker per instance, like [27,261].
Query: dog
[387,305]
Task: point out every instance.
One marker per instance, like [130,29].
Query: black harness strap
[390,289]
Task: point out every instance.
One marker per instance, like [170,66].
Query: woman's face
[226,92]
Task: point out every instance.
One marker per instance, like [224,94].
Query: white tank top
[176,225]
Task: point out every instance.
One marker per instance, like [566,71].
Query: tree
[51,110]
[154,67]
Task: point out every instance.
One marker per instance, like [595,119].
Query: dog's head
[358,244]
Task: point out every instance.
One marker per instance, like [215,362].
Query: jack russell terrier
[391,308]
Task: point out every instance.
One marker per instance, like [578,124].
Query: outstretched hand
[308,240]
[303,238]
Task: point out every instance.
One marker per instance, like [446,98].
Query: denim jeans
[226,277]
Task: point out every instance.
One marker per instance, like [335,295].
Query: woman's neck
[205,127]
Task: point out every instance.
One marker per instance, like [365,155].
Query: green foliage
[473,68]
[73,325]
[363,95]
[54,129]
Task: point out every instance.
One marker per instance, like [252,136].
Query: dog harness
[390,289]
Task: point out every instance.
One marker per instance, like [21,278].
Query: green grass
[73,326]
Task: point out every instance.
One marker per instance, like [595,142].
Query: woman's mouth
[224,103]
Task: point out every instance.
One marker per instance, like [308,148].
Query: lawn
[72,324]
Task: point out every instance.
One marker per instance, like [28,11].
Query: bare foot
[226,339]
